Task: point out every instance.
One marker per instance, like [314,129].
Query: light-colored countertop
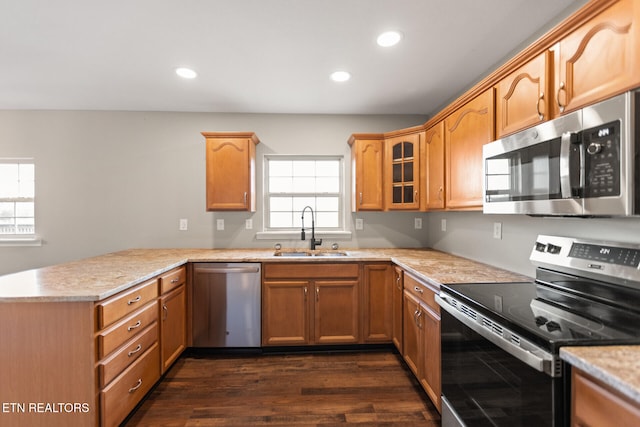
[99,277]
[616,366]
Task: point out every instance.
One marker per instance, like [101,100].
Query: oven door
[484,385]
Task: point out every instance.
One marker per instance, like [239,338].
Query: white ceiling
[256,56]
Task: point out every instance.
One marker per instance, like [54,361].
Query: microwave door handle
[565,168]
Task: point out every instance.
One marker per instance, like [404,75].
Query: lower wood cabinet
[310,303]
[421,336]
[594,404]
[377,298]
[397,296]
[173,326]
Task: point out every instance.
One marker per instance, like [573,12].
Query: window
[295,182]
[17,202]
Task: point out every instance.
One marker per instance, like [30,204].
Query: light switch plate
[417,223]
[248,224]
[220,224]
[497,230]
[184,224]
[359,224]
[443,225]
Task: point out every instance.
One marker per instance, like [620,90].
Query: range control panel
[609,261]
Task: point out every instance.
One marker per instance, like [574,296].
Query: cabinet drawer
[422,291]
[126,302]
[172,279]
[123,394]
[112,338]
[310,270]
[131,351]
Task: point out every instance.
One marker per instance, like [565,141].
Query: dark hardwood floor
[371,388]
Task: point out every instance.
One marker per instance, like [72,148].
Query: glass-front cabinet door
[403,172]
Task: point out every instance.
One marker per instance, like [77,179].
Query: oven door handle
[541,360]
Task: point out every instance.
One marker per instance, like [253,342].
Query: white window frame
[337,233]
[22,239]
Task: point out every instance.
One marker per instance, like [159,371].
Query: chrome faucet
[314,242]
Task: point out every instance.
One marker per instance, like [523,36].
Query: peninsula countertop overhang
[99,277]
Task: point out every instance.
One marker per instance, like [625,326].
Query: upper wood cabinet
[522,98]
[466,131]
[402,171]
[600,58]
[433,149]
[231,176]
[367,163]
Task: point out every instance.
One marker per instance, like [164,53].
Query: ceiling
[256,56]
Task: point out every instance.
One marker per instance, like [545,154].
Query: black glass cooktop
[563,311]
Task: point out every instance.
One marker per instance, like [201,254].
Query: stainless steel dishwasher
[226,305]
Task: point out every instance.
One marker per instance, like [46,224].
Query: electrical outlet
[359,224]
[497,230]
[248,224]
[220,224]
[417,223]
[184,224]
[443,224]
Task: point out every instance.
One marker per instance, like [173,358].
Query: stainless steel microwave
[585,163]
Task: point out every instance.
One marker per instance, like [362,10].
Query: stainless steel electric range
[500,341]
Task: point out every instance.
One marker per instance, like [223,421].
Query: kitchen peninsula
[56,326]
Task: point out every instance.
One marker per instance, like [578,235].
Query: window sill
[295,235]
[20,241]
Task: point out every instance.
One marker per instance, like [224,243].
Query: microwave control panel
[602,160]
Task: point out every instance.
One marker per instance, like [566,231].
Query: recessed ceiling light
[186,73]
[340,76]
[389,38]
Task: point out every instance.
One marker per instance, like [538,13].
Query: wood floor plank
[323,389]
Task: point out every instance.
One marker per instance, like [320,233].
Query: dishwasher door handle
[227,270]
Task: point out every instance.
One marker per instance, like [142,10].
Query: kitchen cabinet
[397,296]
[421,336]
[466,130]
[367,162]
[402,171]
[600,58]
[231,170]
[173,316]
[378,290]
[594,403]
[128,352]
[433,171]
[310,303]
[523,97]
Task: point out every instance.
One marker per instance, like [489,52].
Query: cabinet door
[398,286]
[377,302]
[173,326]
[434,154]
[402,174]
[601,58]
[230,173]
[522,96]
[412,335]
[466,131]
[336,312]
[367,165]
[285,312]
[430,378]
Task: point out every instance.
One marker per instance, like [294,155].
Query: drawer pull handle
[135,350]
[132,327]
[417,289]
[135,300]
[137,386]
[174,280]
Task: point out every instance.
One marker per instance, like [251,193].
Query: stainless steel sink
[285,253]
[292,254]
